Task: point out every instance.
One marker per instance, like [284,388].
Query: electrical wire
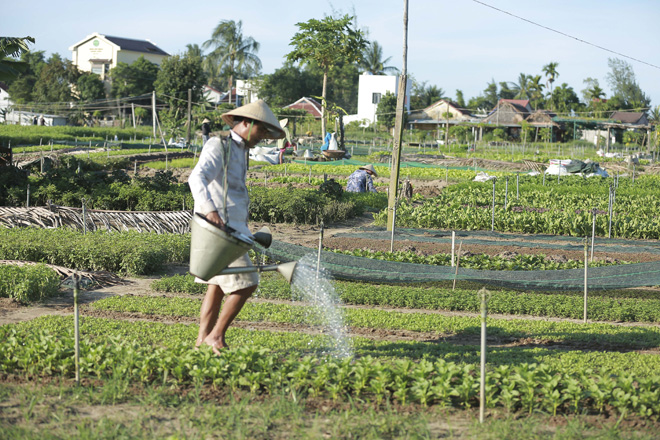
[566,35]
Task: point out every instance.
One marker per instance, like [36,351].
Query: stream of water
[313,285]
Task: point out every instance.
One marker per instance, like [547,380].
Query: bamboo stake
[482,379]
[586,246]
[76,327]
[458,260]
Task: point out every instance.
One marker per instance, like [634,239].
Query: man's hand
[214,217]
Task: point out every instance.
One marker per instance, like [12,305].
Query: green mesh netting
[404,165]
[551,242]
[365,269]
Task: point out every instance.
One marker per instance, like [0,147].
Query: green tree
[327,42]
[505,91]
[373,62]
[178,74]
[386,110]
[621,80]
[10,49]
[21,89]
[89,87]
[460,100]
[193,50]
[423,95]
[551,73]
[55,79]
[288,84]
[521,88]
[486,100]
[535,90]
[231,52]
[133,79]
[564,99]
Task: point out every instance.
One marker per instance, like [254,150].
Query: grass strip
[448,326]
[641,306]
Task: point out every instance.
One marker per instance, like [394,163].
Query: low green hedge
[301,206]
[129,253]
[28,283]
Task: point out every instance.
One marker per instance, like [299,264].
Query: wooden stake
[458,260]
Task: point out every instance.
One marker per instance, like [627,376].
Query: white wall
[248,90]
[370,84]
[129,57]
[94,49]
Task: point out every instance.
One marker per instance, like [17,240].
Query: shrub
[28,283]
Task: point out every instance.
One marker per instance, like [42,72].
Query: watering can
[213,249]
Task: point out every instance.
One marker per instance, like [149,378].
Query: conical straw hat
[259,111]
[369,168]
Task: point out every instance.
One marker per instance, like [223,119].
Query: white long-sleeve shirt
[207,182]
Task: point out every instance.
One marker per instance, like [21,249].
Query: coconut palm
[232,52]
[194,50]
[551,73]
[535,89]
[373,62]
[521,87]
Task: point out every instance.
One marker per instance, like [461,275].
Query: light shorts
[232,283]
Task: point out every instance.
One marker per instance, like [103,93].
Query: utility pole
[398,125]
[153,113]
[189,115]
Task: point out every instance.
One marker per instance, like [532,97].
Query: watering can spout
[287,270]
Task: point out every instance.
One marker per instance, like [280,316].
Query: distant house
[4,99]
[212,95]
[542,118]
[27,118]
[371,88]
[632,118]
[99,53]
[310,105]
[508,113]
[439,113]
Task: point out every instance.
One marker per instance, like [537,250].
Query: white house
[5,102]
[18,117]
[370,89]
[99,53]
[245,92]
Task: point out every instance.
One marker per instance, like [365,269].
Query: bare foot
[217,345]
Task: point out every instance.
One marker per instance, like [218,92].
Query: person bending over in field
[360,181]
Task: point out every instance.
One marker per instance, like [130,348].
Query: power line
[566,35]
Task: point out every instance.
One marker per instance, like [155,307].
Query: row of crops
[429,373]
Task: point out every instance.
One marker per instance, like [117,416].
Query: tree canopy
[133,79]
[621,80]
[232,53]
[327,42]
[10,49]
[178,74]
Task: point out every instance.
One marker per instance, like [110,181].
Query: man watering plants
[220,193]
[360,181]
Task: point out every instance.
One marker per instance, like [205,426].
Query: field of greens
[414,348]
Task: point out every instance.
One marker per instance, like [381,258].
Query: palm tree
[522,87]
[535,89]
[231,51]
[193,50]
[373,62]
[551,73]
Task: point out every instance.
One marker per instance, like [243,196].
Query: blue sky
[453,44]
